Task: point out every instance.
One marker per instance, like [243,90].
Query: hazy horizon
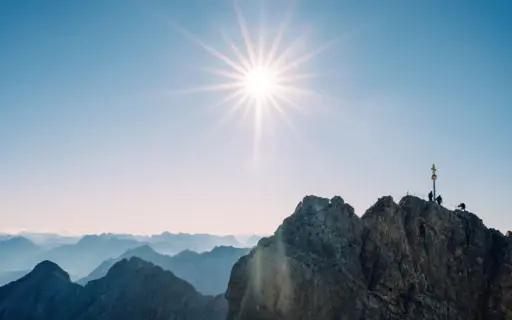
[64,233]
[97,136]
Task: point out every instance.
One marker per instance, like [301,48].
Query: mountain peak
[225,251]
[47,268]
[187,254]
[19,241]
[143,249]
[411,260]
[89,238]
[128,265]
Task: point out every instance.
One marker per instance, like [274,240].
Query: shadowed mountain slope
[133,290]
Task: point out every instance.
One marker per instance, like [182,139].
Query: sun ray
[304,58]
[293,77]
[232,96]
[276,43]
[261,47]
[292,90]
[245,34]
[289,102]
[261,79]
[233,109]
[284,116]
[211,50]
[246,113]
[289,50]
[214,87]
[225,73]
[258,115]
[241,58]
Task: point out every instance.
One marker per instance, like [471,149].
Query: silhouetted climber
[439,200]
[462,206]
[430,196]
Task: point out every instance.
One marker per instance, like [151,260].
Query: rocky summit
[408,260]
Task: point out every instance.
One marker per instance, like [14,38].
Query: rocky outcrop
[411,260]
[132,290]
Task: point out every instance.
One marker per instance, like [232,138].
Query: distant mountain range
[169,243]
[49,240]
[132,289]
[253,240]
[17,253]
[208,272]
[79,256]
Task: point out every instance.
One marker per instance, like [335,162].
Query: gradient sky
[92,139]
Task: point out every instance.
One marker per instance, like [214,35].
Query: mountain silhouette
[45,293]
[132,290]
[208,272]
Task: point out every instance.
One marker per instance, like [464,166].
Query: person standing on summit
[439,200]
[430,196]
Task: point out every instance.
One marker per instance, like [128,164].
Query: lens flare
[260,80]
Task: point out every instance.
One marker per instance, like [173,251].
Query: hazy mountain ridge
[132,289]
[253,240]
[208,272]
[17,253]
[90,250]
[49,240]
[79,256]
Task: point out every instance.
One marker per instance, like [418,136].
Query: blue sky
[93,139]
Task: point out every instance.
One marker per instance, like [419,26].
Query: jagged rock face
[412,260]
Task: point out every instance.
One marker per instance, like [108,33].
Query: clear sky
[94,136]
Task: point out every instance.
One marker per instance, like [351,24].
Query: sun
[260,83]
[261,77]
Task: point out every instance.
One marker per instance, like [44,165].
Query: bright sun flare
[263,80]
[260,82]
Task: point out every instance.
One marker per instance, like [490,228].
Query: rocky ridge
[408,260]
